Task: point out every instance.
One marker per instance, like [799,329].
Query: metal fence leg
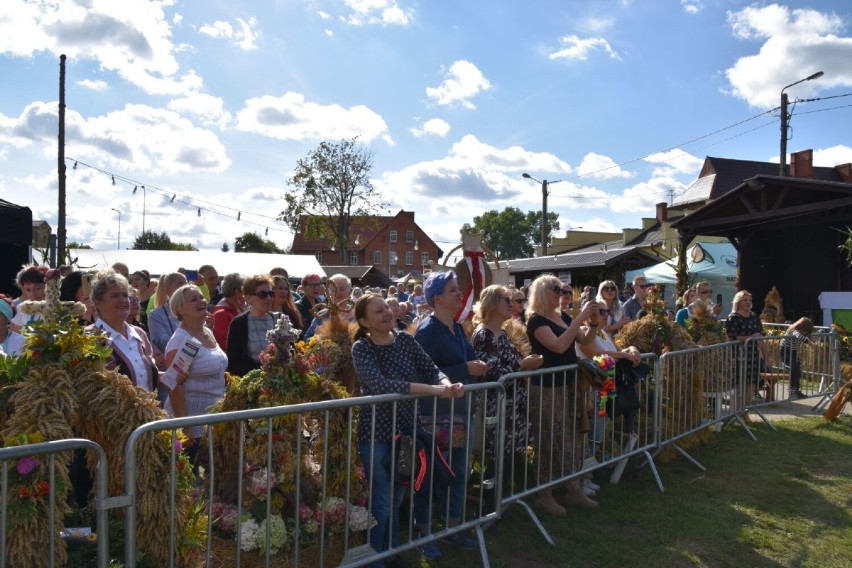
[537,522]
[483,552]
[691,459]
[759,413]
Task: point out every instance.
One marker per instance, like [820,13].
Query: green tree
[76,245]
[149,240]
[332,187]
[225,247]
[511,233]
[252,242]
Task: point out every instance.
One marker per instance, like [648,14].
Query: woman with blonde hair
[492,346]
[615,317]
[553,397]
[742,325]
[683,314]
[161,321]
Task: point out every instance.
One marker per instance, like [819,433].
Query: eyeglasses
[314,284]
[264,294]
[705,292]
[566,291]
[557,289]
[642,286]
[608,289]
[519,300]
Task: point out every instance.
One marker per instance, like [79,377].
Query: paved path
[785,409]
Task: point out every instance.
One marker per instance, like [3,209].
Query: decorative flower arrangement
[57,337]
[291,373]
[607,391]
[29,484]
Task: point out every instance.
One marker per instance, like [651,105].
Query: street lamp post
[544,183]
[785,118]
[118,246]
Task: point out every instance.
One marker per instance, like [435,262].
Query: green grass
[785,500]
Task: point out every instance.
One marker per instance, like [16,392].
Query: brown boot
[577,498]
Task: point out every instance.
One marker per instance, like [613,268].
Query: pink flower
[26,465]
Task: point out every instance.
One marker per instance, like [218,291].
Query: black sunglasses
[263,294]
[566,291]
[519,300]
[608,289]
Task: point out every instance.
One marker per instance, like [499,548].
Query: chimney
[662,212]
[802,164]
[845,171]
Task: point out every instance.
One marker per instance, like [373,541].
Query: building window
[353,258]
[318,256]
[409,236]
[377,257]
[409,258]
[393,236]
[393,257]
[424,258]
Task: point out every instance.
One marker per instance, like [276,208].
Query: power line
[182,199]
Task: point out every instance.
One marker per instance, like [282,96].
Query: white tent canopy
[714,262]
[159,262]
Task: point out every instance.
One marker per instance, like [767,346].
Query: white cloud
[290,117]
[472,174]
[578,49]
[692,6]
[93,85]
[327,32]
[209,109]
[597,166]
[137,138]
[796,43]
[383,12]
[435,126]
[464,81]
[244,37]
[834,156]
[131,38]
[323,15]
[675,162]
[596,24]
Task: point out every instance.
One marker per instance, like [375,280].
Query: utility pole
[60,166]
[544,217]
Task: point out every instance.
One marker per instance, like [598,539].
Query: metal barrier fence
[50,449]
[811,370]
[557,431]
[527,435]
[308,426]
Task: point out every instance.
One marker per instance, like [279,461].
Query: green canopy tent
[714,262]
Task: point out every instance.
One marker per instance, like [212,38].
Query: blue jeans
[380,496]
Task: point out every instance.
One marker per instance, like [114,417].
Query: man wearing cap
[444,340]
[312,285]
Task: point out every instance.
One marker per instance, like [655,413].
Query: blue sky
[214,102]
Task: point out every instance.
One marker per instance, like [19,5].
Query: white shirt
[14,344]
[131,348]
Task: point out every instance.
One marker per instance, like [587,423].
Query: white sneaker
[591,485]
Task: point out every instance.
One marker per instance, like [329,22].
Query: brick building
[394,245]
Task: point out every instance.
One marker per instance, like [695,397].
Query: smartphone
[719,299]
[87,285]
[191,276]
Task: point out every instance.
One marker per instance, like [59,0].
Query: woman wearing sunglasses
[247,332]
[615,318]
[555,406]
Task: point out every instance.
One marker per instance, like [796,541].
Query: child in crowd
[797,334]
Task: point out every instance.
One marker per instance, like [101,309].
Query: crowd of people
[405,340]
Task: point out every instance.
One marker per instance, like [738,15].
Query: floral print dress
[503,358]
